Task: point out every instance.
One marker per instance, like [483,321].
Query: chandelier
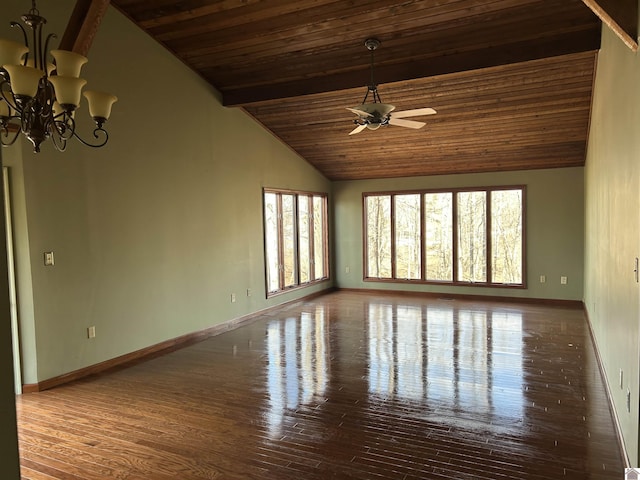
[39,97]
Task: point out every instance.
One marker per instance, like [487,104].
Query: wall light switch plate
[620,380]
[48,259]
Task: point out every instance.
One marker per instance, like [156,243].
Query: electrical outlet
[91,332]
[543,278]
[347,269]
[563,280]
[48,259]
[233,298]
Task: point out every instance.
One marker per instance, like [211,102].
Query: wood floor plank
[344,386]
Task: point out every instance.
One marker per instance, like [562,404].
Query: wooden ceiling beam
[563,44]
[619,15]
[83,25]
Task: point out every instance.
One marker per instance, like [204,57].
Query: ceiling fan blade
[360,113]
[406,123]
[358,129]
[414,113]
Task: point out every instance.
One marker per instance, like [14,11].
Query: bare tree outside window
[438,213]
[289,240]
[303,235]
[271,241]
[472,236]
[378,219]
[296,243]
[506,236]
[407,231]
[461,235]
[319,235]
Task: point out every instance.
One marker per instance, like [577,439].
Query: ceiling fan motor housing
[372,43]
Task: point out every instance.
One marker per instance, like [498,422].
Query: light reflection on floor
[298,364]
[467,359]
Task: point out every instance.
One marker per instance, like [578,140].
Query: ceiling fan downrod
[372,44]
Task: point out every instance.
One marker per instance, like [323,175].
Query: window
[462,236]
[295,238]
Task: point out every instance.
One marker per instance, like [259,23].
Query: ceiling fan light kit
[376,114]
[41,96]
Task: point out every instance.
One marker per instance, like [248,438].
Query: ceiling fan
[376,114]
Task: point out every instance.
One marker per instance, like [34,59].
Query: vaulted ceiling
[511,80]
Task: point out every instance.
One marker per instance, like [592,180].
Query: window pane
[303,235]
[319,237]
[506,236]
[378,211]
[438,213]
[288,240]
[472,233]
[407,220]
[271,241]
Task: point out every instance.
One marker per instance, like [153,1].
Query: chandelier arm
[45,50]
[11,101]
[36,45]
[59,142]
[5,134]
[99,131]
[64,127]
[24,36]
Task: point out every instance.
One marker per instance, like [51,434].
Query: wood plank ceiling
[511,79]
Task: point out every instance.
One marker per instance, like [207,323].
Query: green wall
[612,226]
[555,230]
[153,233]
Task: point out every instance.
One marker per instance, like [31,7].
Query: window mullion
[325,233]
[392,207]
[312,250]
[489,243]
[280,241]
[454,226]
[423,236]
[296,238]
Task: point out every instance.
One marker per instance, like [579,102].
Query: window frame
[454,236]
[312,250]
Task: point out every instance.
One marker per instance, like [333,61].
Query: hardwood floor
[344,386]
